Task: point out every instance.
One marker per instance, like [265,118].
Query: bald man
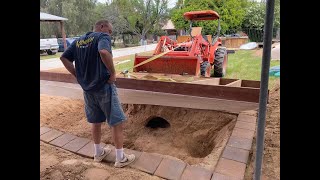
[94,71]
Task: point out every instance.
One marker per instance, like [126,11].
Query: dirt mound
[188,134]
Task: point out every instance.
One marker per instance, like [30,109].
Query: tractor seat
[196,31]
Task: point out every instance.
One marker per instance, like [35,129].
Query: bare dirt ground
[58,164]
[68,115]
[271,155]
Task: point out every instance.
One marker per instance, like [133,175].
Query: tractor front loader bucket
[169,65]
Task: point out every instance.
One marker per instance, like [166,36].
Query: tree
[255,15]
[79,13]
[276,23]
[231,14]
[140,16]
[253,22]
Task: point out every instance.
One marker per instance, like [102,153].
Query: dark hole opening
[157,122]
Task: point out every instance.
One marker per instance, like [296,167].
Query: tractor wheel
[220,62]
[204,67]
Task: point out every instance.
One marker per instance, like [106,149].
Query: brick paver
[242,143]
[247,118]
[63,139]
[76,144]
[243,133]
[147,162]
[44,130]
[194,172]
[236,154]
[88,149]
[51,135]
[218,176]
[249,113]
[170,169]
[245,125]
[230,168]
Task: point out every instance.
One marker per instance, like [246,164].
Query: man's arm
[67,59]
[68,65]
[104,49]
[107,60]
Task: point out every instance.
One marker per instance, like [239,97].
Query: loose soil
[271,155]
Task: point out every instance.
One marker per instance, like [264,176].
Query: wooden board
[246,94]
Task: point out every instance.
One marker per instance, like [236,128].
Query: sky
[171,3]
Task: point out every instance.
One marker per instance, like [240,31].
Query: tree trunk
[124,43]
[114,40]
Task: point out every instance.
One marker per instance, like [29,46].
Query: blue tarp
[275,71]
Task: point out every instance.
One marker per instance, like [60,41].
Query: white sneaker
[104,153]
[127,159]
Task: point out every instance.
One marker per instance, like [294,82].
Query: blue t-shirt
[91,72]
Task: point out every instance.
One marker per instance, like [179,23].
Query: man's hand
[112,79]
[106,58]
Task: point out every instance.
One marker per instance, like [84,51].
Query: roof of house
[50,17]
[168,25]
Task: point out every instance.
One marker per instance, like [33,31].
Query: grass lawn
[129,64]
[246,65]
[45,56]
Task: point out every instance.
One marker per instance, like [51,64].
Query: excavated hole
[187,134]
[157,122]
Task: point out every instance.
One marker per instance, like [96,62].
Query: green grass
[129,64]
[126,65]
[44,57]
[246,65]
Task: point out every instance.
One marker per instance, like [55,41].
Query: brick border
[234,159]
[231,164]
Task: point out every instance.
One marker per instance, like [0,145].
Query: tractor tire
[220,62]
[203,68]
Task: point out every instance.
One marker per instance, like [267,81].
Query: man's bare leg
[96,133]
[122,159]
[117,133]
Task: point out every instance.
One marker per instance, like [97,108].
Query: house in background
[171,31]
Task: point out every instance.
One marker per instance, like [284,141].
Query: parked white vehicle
[50,46]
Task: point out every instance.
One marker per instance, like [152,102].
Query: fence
[254,34]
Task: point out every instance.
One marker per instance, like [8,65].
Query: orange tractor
[196,55]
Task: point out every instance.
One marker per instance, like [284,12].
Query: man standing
[96,75]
